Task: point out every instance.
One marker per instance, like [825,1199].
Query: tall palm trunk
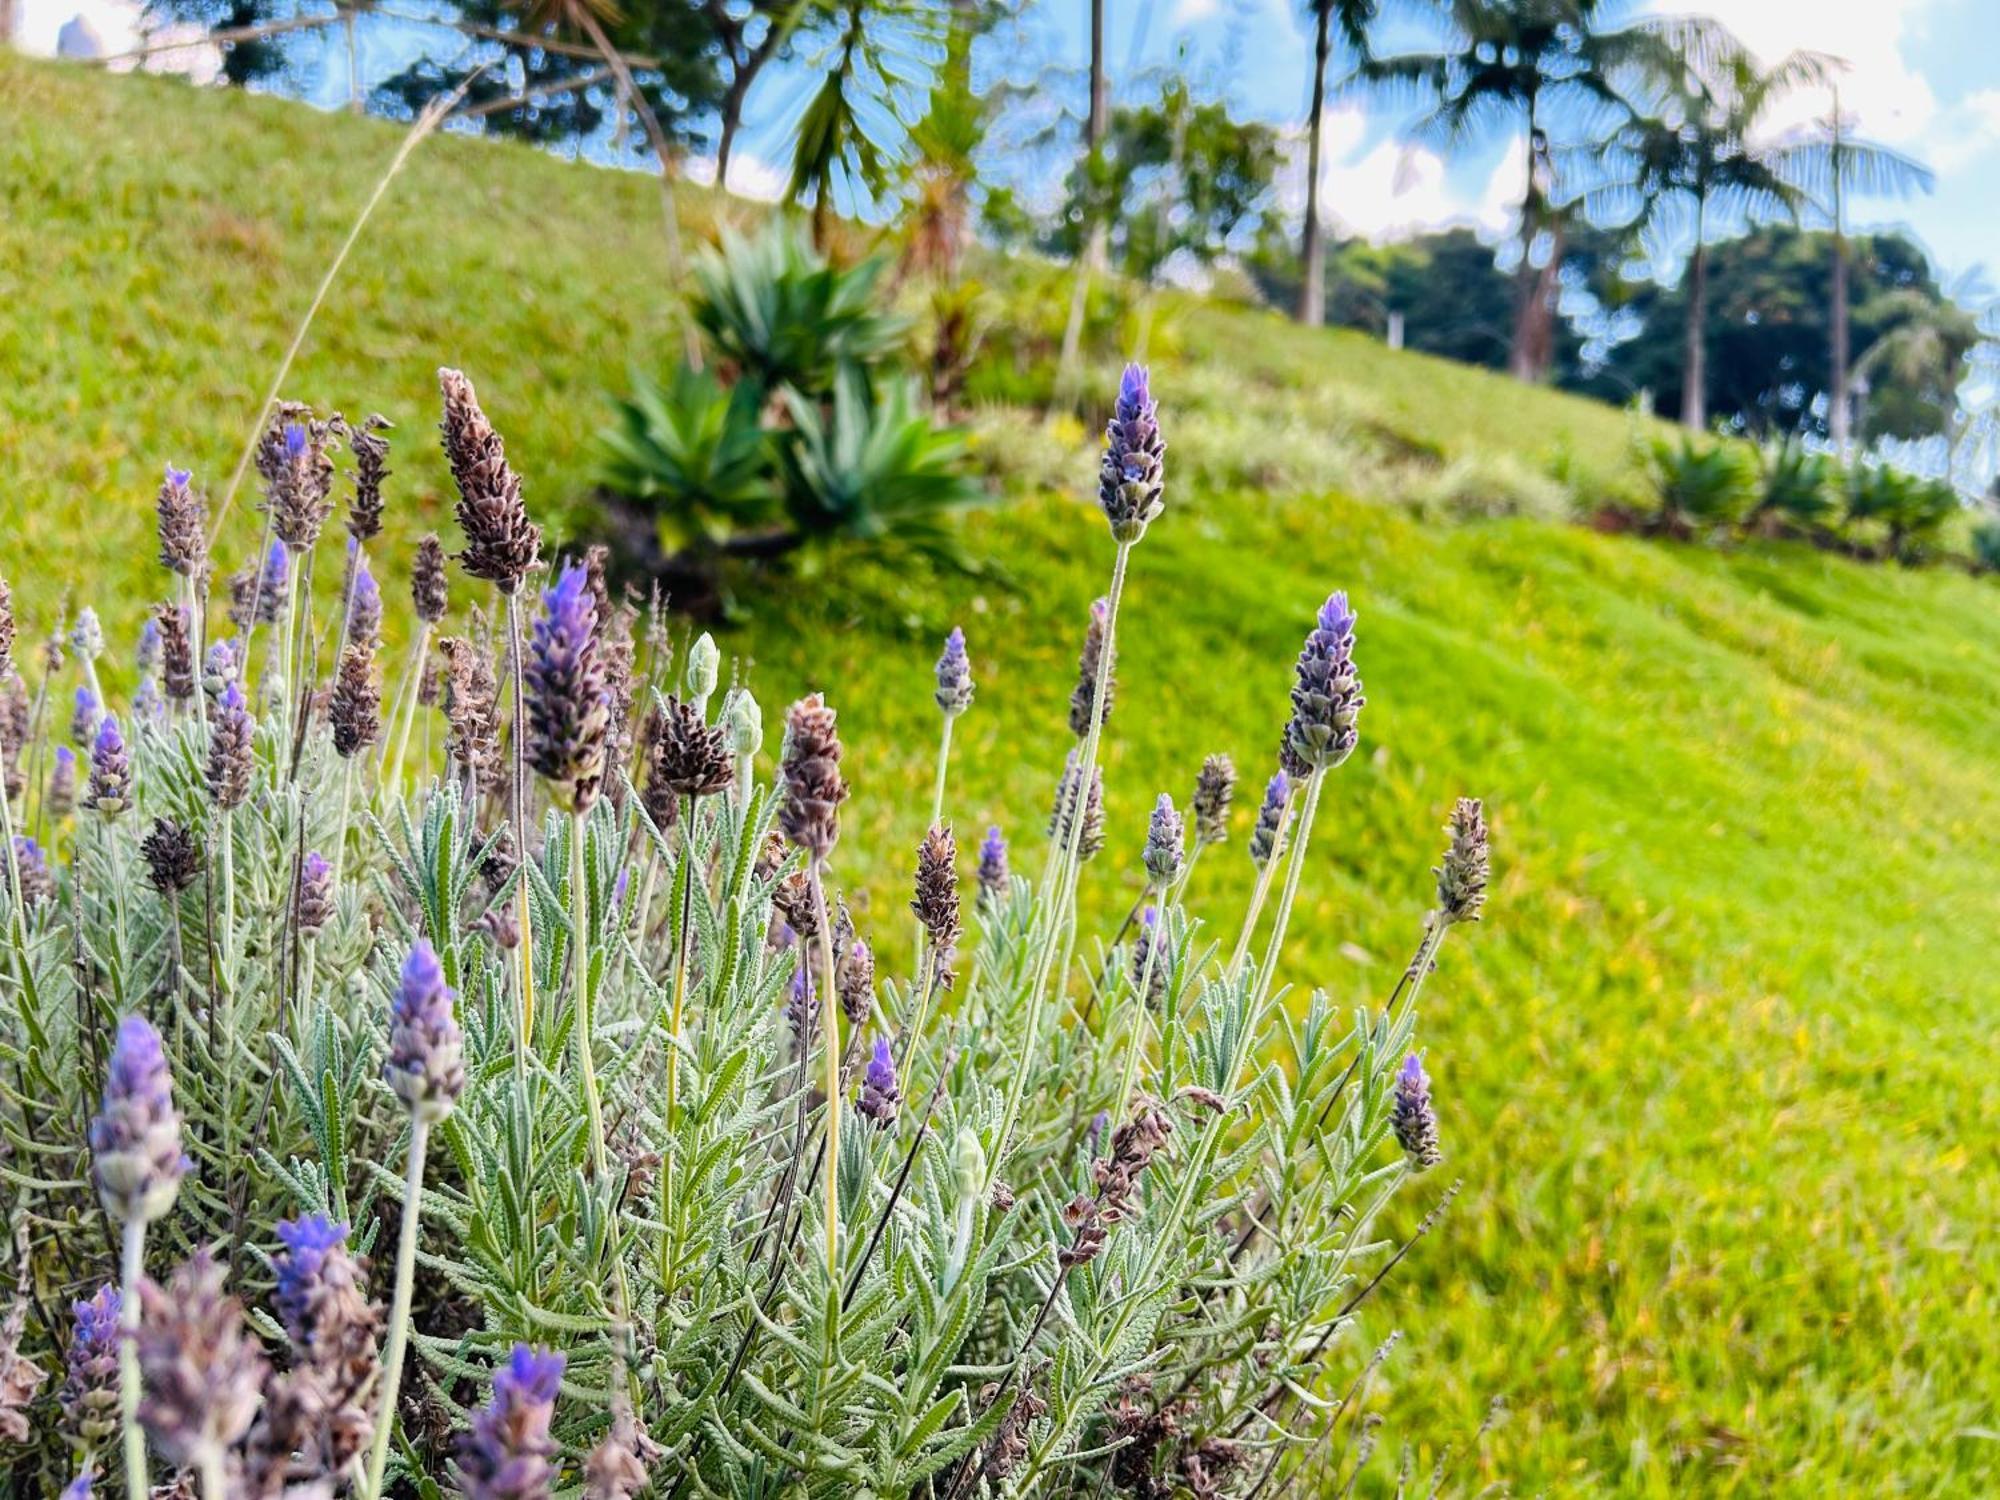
[1838,400]
[1098,240]
[1533,285]
[1312,295]
[1694,366]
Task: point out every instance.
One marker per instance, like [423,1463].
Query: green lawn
[1719,1069]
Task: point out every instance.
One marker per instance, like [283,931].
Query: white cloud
[750,176]
[116,26]
[1386,190]
[1192,12]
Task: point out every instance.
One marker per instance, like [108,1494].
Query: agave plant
[785,317]
[696,453]
[562,1133]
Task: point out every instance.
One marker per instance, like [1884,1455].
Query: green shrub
[1985,543]
[697,453]
[1795,484]
[1905,512]
[1702,485]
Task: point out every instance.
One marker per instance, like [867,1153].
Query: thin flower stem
[1066,867]
[17,909]
[214,1474]
[224,837]
[1293,867]
[406,706]
[1262,891]
[687,873]
[1137,1044]
[340,825]
[399,1308]
[943,762]
[131,1262]
[524,905]
[830,1050]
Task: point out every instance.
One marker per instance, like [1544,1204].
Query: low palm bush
[1796,485]
[1701,485]
[539,1120]
[1903,513]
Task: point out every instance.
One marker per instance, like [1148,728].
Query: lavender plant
[449,1159]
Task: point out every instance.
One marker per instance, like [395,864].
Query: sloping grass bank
[1719,1070]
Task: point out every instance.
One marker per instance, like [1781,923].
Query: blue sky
[1919,78]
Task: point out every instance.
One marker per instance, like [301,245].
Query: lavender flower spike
[569,706]
[1166,843]
[84,716]
[110,786]
[315,904]
[202,1369]
[880,1093]
[78,1488]
[364,610]
[1132,477]
[1413,1117]
[425,1065]
[954,676]
[183,517]
[62,783]
[135,1138]
[89,1393]
[1270,820]
[1326,699]
[506,1453]
[994,878]
[231,748]
[86,636]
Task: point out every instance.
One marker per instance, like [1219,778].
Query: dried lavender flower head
[854,979]
[173,859]
[936,902]
[569,711]
[1090,836]
[501,544]
[954,676]
[315,903]
[1131,481]
[814,790]
[1461,876]
[430,595]
[354,706]
[1326,699]
[1413,1117]
[506,1453]
[1166,842]
[110,787]
[295,461]
[995,880]
[135,1138]
[183,518]
[371,467]
[89,1394]
[6,629]
[426,1062]
[1096,645]
[689,757]
[1213,789]
[231,748]
[1264,838]
[880,1093]
[203,1371]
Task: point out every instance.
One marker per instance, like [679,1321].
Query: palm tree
[1694,158]
[1352,19]
[1830,165]
[1548,69]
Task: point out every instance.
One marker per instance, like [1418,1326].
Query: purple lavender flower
[110,785]
[880,1094]
[315,905]
[954,676]
[569,707]
[425,1065]
[1151,960]
[89,1393]
[994,879]
[202,1370]
[147,657]
[1413,1117]
[301,1269]
[1166,843]
[1270,820]
[219,668]
[183,524]
[1461,876]
[364,609]
[1326,699]
[1212,791]
[135,1139]
[277,577]
[505,1455]
[1132,477]
[231,748]
[84,717]
[78,1488]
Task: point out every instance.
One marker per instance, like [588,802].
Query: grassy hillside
[1719,1071]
